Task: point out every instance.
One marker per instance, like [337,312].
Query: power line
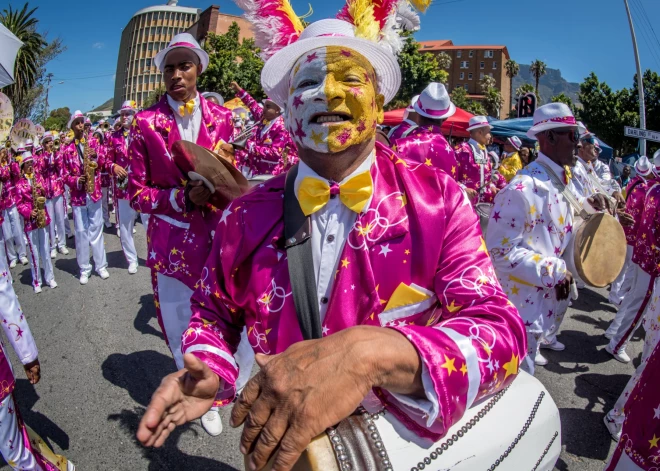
[641,26]
[84,78]
[645,16]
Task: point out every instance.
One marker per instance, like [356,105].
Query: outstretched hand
[181,397]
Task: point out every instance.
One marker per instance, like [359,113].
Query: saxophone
[89,167]
[39,204]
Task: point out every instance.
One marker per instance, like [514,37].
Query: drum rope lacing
[521,434]
[460,433]
[545,452]
[372,432]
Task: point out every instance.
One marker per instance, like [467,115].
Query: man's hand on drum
[181,397]
[563,288]
[197,193]
[620,200]
[624,218]
[601,202]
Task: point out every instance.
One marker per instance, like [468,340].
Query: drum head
[600,250]
[214,170]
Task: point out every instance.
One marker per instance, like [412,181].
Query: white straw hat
[477,122]
[643,166]
[130,106]
[77,115]
[515,142]
[434,102]
[186,41]
[217,96]
[553,116]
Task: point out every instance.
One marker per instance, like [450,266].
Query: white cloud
[98,45]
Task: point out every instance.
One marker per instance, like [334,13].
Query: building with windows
[149,31]
[469,64]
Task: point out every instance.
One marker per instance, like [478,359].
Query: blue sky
[575,36]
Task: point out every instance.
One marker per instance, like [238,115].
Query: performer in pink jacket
[52,174]
[411,313]
[87,214]
[408,124]
[269,150]
[12,227]
[182,222]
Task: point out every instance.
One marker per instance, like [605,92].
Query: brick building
[470,63]
[212,21]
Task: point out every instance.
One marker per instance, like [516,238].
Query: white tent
[9,46]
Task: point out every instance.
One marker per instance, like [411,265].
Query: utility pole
[49,77]
[640,82]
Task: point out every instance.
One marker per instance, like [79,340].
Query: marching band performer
[408,124]
[589,159]
[29,187]
[59,143]
[12,226]
[512,158]
[269,150]
[214,98]
[87,213]
[475,169]
[118,155]
[531,226]
[52,173]
[182,221]
[401,274]
[106,181]
[635,196]
[425,143]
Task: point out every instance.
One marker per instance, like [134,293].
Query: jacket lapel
[204,138]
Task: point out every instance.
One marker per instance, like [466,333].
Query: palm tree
[26,70]
[512,69]
[538,70]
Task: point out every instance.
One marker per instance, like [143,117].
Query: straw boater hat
[88,121]
[185,41]
[553,116]
[48,136]
[217,96]
[77,115]
[643,166]
[434,102]
[515,142]
[26,157]
[29,143]
[477,122]
[656,162]
[128,105]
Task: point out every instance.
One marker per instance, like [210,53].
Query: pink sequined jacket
[73,170]
[26,203]
[635,197]
[52,173]
[469,173]
[177,239]
[427,146]
[419,230]
[645,251]
[117,153]
[9,175]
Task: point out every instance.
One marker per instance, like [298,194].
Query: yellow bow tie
[313,193]
[567,174]
[189,107]
[482,147]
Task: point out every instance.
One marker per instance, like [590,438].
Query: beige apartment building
[470,63]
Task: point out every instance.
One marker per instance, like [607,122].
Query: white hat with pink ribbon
[434,102]
[643,166]
[553,116]
[477,122]
[129,105]
[515,142]
[182,41]
[77,115]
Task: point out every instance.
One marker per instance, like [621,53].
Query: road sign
[642,134]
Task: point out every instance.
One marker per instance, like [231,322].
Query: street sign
[642,134]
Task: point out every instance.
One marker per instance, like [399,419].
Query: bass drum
[516,429]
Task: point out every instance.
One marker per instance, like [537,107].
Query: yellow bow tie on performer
[482,147]
[187,108]
[313,193]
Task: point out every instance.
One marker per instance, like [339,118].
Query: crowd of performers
[400,247]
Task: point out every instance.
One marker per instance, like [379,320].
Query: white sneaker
[103,273]
[212,423]
[37,289]
[134,231]
[557,346]
[64,251]
[540,360]
[132,268]
[70,466]
[612,427]
[24,260]
[52,284]
[84,278]
[621,355]
[12,264]
[53,253]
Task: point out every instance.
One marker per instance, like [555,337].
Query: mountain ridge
[551,84]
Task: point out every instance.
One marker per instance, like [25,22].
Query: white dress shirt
[189,124]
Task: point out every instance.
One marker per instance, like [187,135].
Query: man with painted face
[531,225]
[400,272]
[179,235]
[269,149]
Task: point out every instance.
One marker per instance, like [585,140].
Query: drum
[224,180]
[483,211]
[598,251]
[517,428]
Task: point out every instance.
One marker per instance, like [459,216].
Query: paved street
[102,356]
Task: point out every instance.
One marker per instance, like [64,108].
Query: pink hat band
[431,112]
[570,120]
[182,44]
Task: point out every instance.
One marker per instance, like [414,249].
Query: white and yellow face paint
[333,102]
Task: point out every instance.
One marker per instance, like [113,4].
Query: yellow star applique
[344,263]
[449,365]
[175,251]
[514,290]
[505,240]
[404,199]
[407,252]
[206,322]
[654,442]
[453,307]
[532,210]
[463,369]
[428,162]
[265,299]
[561,219]
[184,182]
[364,230]
[453,170]
[511,367]
[317,138]
[537,258]
[402,162]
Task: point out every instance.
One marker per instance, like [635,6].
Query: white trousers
[126,216]
[12,229]
[629,316]
[56,208]
[175,313]
[104,203]
[13,437]
[40,256]
[88,222]
[623,282]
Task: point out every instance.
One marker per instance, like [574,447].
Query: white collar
[176,104]
[545,160]
[412,123]
[474,144]
[305,171]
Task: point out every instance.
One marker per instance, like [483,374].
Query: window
[494,65]
[488,54]
[482,65]
[148,62]
[481,76]
[151,46]
[152,79]
[458,85]
[142,64]
[462,75]
[469,76]
[490,74]
[471,53]
[466,87]
[458,54]
[465,64]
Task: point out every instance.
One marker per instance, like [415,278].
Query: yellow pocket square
[405,295]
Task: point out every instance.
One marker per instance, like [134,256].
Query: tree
[487,83]
[512,70]
[460,99]
[95,118]
[57,120]
[418,69]
[444,60]
[538,70]
[565,99]
[524,89]
[154,96]
[493,102]
[232,60]
[30,67]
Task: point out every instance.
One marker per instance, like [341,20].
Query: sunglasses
[573,135]
[589,140]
